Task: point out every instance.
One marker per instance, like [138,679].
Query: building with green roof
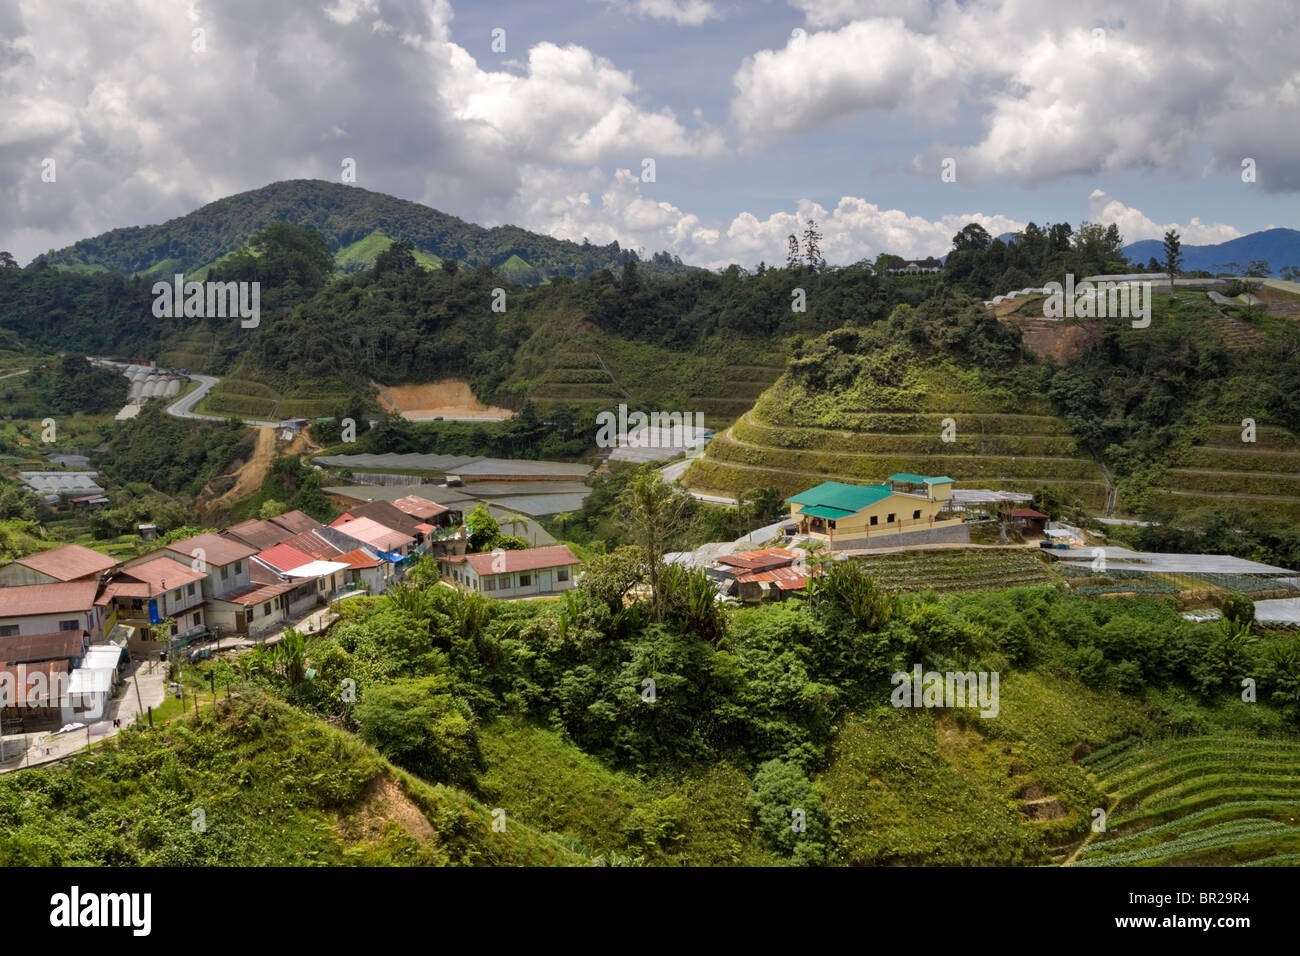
[905,509]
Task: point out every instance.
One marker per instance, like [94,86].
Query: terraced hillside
[596,372]
[1264,474]
[1218,800]
[245,398]
[1001,441]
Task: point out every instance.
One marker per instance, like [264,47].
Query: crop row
[1253,483]
[1222,834]
[966,443]
[876,467]
[1246,583]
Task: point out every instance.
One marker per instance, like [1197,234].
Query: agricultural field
[957,570]
[790,440]
[244,398]
[598,372]
[1211,800]
[1265,473]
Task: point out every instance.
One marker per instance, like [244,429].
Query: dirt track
[251,474]
[449,399]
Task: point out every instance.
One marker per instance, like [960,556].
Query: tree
[289,656]
[270,509]
[1259,269]
[812,246]
[1239,609]
[398,257]
[658,516]
[419,724]
[483,528]
[1173,249]
[7,261]
[973,238]
[792,257]
[609,578]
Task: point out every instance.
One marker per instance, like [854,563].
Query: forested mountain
[344,216]
[1277,248]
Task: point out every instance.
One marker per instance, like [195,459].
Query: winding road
[183,407]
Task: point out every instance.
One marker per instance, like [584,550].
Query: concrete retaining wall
[957,534]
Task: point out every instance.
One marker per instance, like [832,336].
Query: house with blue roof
[906,509]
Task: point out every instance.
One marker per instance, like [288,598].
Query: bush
[1238,608]
[790,812]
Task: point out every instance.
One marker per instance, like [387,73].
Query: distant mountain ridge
[357,223]
[1278,247]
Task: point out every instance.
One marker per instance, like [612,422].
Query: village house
[429,512]
[384,513]
[907,509]
[145,595]
[528,572]
[46,608]
[51,656]
[769,574]
[1028,522]
[71,562]
[226,562]
[315,578]
[363,573]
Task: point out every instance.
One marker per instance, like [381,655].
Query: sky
[710,129]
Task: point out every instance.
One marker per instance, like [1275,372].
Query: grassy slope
[363,253]
[794,438]
[698,818]
[276,788]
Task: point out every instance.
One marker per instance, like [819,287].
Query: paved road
[23,750]
[183,407]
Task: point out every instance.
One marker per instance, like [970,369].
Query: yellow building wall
[901,507]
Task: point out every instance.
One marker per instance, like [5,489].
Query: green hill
[790,440]
[346,216]
[275,787]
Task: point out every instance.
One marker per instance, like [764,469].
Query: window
[525,580]
[176,596]
[225,573]
[266,609]
[489,584]
[890,519]
[8,630]
[190,590]
[239,567]
[173,628]
[916,514]
[873,519]
[69,625]
[197,618]
[562,574]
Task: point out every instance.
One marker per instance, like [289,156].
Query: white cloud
[821,77]
[144,128]
[1051,98]
[563,205]
[688,13]
[1134,225]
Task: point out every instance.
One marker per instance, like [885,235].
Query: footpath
[143,686]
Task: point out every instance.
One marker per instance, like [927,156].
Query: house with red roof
[155,591]
[71,562]
[768,574]
[46,608]
[428,512]
[528,572]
